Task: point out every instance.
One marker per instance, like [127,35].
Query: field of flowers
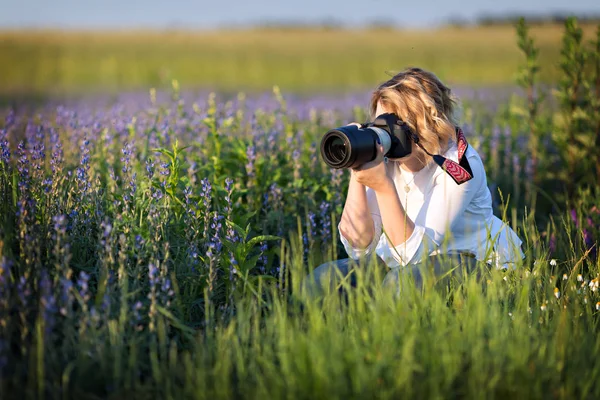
[152,246]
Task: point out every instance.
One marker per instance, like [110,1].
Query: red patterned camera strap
[461,172]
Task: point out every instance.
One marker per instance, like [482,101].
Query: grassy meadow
[254,60]
[163,199]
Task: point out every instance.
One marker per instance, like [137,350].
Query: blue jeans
[435,270]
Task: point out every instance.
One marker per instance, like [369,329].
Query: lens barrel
[350,146]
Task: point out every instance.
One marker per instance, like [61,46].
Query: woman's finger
[379,158]
[379,153]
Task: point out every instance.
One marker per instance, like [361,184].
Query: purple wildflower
[132,188]
[126,159]
[251,155]
[83,286]
[22,167]
[4,147]
[232,268]
[38,151]
[263,257]
[587,238]
[574,217]
[23,291]
[205,195]
[113,176]
[165,171]
[139,242]
[312,223]
[47,184]
[137,317]
[187,192]
[157,194]
[57,156]
[216,227]
[60,225]
[152,276]
[275,194]
[48,302]
[81,172]
[231,234]
[66,298]
[149,168]
[167,292]
[325,220]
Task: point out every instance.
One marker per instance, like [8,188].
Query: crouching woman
[430,211]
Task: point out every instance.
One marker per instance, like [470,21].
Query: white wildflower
[584,284]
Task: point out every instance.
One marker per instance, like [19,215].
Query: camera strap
[459,171]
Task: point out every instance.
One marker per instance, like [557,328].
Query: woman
[405,213]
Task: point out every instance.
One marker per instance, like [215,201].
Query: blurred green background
[296,59]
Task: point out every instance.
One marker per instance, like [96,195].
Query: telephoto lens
[351,146]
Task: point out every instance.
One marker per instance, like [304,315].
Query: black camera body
[351,146]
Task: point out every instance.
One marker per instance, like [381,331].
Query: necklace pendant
[407,188]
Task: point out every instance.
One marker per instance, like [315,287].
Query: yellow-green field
[296,60]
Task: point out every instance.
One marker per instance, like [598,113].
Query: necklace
[406,185]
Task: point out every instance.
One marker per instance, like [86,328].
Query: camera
[351,146]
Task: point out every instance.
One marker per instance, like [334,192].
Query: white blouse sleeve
[355,252]
[442,209]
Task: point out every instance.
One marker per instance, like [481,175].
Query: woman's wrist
[353,178]
[385,187]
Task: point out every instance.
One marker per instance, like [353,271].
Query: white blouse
[448,218]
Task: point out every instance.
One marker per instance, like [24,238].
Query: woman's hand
[374,173]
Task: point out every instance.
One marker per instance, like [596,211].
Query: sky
[203,14]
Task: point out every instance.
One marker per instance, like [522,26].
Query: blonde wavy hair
[424,103]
